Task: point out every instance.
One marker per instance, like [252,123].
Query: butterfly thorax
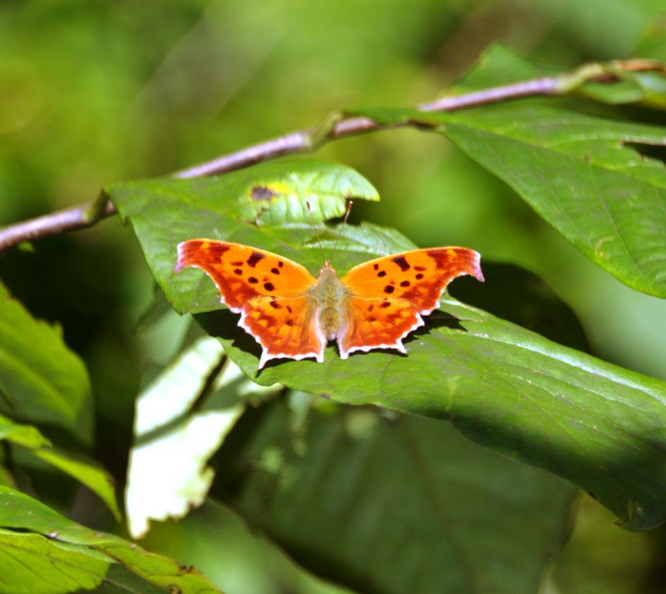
[330,296]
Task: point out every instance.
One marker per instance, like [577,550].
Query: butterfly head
[327,269]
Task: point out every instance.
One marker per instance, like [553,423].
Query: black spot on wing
[381,273]
[269,287]
[401,262]
[254,258]
[253,280]
[388,289]
[405,283]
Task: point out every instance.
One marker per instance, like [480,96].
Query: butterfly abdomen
[330,298]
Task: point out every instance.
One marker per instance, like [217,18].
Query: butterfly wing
[242,272]
[377,324]
[269,291]
[285,327]
[391,293]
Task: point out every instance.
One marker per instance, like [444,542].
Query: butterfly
[293,315]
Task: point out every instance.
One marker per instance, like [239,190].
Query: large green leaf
[42,551]
[41,380]
[590,422]
[556,408]
[580,172]
[393,504]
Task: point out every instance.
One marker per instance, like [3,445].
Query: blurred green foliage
[95,92]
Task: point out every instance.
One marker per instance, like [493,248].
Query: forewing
[284,327]
[242,272]
[377,324]
[419,276]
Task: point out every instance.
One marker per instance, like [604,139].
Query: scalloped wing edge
[397,345]
[266,356]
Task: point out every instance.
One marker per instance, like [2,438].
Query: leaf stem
[336,125]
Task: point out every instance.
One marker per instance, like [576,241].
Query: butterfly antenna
[339,235]
[315,231]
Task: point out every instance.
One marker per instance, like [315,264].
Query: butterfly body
[329,300]
[294,315]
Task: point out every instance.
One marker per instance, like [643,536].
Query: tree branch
[299,142]
[308,140]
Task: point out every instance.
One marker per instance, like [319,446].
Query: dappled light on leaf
[169,427]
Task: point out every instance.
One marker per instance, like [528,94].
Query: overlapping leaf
[393,505]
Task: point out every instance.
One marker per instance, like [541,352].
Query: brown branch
[299,142]
[84,215]
[75,217]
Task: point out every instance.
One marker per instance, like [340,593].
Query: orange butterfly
[293,315]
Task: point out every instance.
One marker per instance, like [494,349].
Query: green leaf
[587,421]
[23,435]
[33,564]
[581,173]
[83,470]
[644,88]
[218,207]
[590,422]
[280,192]
[52,554]
[393,503]
[5,476]
[41,380]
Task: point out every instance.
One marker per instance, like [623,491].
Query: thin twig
[76,217]
[297,142]
[79,216]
